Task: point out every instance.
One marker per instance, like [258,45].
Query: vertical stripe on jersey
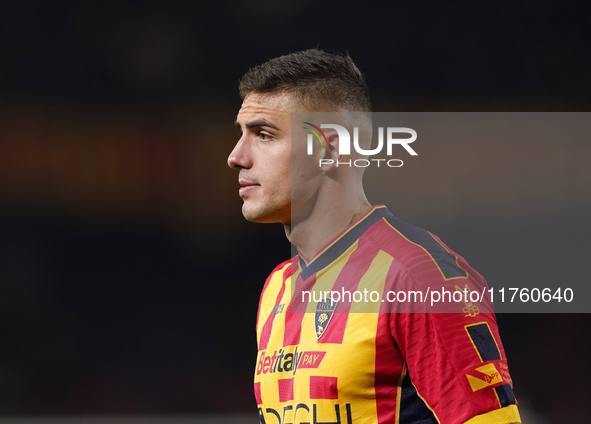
[278,268]
[373,283]
[483,341]
[505,395]
[488,350]
[294,315]
[413,409]
[388,364]
[257,393]
[357,265]
[268,326]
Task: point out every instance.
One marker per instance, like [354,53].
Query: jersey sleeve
[454,356]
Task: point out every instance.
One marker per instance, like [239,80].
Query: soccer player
[337,361]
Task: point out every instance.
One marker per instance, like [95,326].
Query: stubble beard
[266,214]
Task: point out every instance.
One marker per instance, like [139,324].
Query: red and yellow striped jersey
[371,357]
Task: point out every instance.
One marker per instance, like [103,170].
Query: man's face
[263,157]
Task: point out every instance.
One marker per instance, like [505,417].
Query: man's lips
[247,187]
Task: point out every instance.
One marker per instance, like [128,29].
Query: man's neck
[323,224]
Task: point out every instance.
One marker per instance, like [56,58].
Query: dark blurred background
[129,280]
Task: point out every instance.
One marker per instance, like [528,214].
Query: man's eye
[265,137]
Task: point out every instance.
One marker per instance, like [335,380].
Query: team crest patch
[324,311]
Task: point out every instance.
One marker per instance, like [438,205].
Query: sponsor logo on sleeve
[486,375]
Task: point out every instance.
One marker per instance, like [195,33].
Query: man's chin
[259,219]
[261,216]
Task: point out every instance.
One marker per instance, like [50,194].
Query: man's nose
[239,158]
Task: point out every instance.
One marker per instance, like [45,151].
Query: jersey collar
[342,242]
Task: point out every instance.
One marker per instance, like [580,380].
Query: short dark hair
[315,77]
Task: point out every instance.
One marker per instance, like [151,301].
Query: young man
[338,361]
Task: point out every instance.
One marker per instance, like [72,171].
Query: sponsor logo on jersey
[488,376]
[278,309]
[324,312]
[288,362]
[310,413]
[470,310]
[311,359]
[505,374]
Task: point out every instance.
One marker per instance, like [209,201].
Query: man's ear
[331,151]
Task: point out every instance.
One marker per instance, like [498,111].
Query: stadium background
[128,277]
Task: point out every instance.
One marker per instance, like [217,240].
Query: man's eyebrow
[257,123]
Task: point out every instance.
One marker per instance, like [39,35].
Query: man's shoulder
[273,286]
[415,248]
[280,273]
[394,235]
[283,267]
